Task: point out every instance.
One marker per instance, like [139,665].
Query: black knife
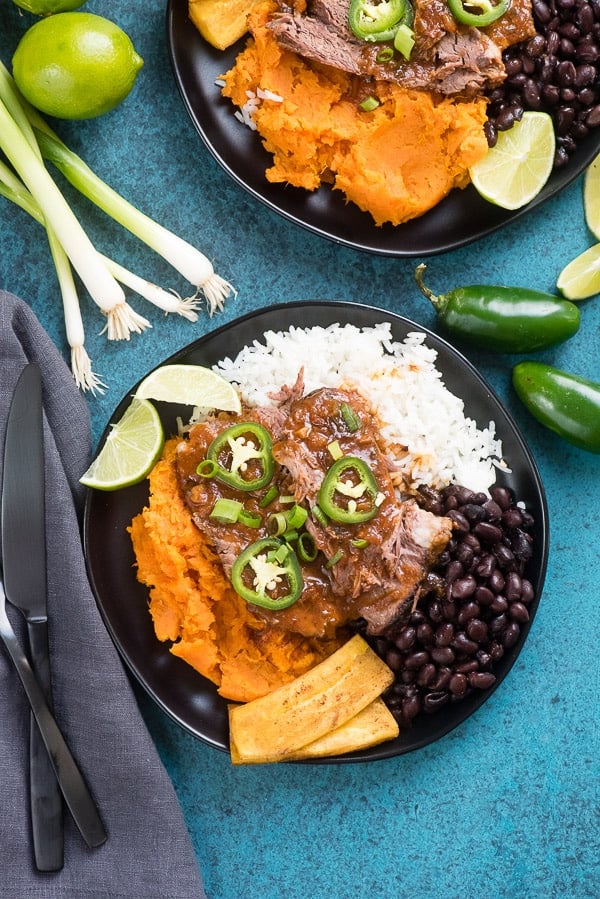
[24,563]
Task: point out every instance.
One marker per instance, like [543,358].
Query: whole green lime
[48,7]
[75,65]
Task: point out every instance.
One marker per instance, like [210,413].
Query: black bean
[444,634]
[486,565]
[542,11]
[512,586]
[466,667]
[477,629]
[473,606]
[442,680]
[426,675]
[460,521]
[498,623]
[425,633]
[416,659]
[467,612]
[484,596]
[411,707]
[518,612]
[434,701]
[464,587]
[393,659]
[462,643]
[502,496]
[487,532]
[406,638]
[496,650]
[458,684]
[481,680]
[527,591]
[511,634]
[499,604]
[442,655]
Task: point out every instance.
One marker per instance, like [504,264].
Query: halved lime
[513,172]
[580,279]
[130,451]
[192,385]
[591,197]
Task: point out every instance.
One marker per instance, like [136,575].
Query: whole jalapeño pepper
[504,319]
[562,402]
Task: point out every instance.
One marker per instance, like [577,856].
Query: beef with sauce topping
[382,562]
[449,59]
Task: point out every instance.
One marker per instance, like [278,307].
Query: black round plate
[181,692]
[459,219]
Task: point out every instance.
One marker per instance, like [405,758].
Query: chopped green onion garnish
[404,40]
[271,494]
[334,559]
[335,450]
[360,543]
[385,55]
[226,510]
[207,468]
[249,519]
[369,104]
[277,524]
[307,549]
[296,517]
[350,417]
[282,553]
[319,516]
[287,499]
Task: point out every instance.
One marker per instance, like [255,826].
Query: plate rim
[498,218]
[385,750]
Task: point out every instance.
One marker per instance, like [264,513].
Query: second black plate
[458,220]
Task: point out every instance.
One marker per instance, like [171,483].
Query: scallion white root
[14,189]
[185,258]
[166,300]
[81,366]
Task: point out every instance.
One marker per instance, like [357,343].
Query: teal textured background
[506,805]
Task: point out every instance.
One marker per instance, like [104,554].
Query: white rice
[427,432]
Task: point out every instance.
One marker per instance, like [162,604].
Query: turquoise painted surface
[505,806]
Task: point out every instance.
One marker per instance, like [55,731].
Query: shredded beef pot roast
[377,581]
[447,58]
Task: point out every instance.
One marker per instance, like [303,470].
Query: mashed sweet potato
[395,162]
[194,607]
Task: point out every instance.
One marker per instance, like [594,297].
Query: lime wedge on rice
[130,451]
[581,277]
[591,197]
[191,385]
[513,172]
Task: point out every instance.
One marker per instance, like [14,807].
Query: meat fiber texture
[396,162]
[195,609]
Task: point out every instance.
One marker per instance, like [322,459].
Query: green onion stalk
[185,258]
[26,140]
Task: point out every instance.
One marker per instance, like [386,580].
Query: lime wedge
[130,451]
[591,197]
[581,277]
[191,385]
[513,172]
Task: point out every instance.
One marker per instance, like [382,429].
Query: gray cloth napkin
[148,852]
